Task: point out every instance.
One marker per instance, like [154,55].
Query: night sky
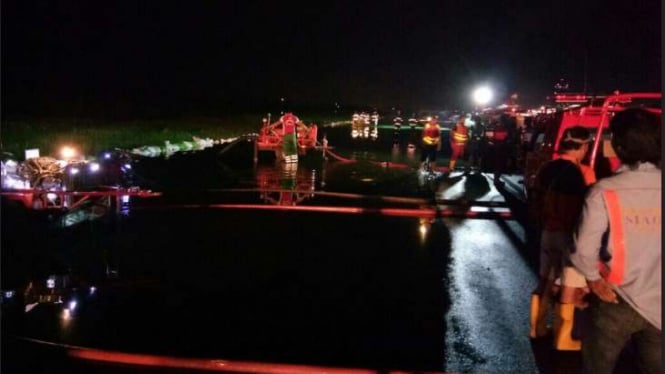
[174,57]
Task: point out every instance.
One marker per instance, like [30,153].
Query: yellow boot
[563,327]
[538,317]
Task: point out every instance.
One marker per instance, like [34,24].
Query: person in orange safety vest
[431,142]
[623,211]
[459,137]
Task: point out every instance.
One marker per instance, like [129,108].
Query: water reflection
[285,183]
[407,154]
[250,277]
[423,228]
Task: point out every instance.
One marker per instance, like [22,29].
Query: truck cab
[593,113]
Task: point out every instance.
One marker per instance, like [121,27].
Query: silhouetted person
[499,147]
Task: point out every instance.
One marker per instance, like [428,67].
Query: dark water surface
[275,286]
[175,276]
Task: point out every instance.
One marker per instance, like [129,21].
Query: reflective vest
[614,271]
[431,134]
[460,135]
[289,127]
[588,173]
[289,123]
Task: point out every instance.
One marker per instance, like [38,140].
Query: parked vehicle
[549,128]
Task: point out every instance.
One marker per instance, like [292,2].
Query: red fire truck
[593,112]
[271,136]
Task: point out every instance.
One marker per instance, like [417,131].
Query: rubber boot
[535,303]
[538,320]
[563,328]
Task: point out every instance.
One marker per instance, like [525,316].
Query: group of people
[600,240]
[600,246]
[470,143]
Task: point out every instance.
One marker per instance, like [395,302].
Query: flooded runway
[229,264]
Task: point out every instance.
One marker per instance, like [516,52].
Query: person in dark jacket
[476,143]
[499,147]
[558,197]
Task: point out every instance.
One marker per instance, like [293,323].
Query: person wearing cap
[560,187]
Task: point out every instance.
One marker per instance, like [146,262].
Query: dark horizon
[79,58]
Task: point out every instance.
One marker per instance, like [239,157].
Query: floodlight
[67,152]
[482,95]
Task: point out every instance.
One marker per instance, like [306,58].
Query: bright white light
[482,95]
[13,183]
[423,229]
[9,294]
[50,282]
[128,166]
[107,155]
[94,167]
[73,171]
[51,196]
[67,152]
[31,153]
[72,305]
[125,199]
[92,290]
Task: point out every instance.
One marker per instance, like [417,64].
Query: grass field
[93,136]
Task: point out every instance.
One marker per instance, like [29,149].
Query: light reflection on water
[346,289]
